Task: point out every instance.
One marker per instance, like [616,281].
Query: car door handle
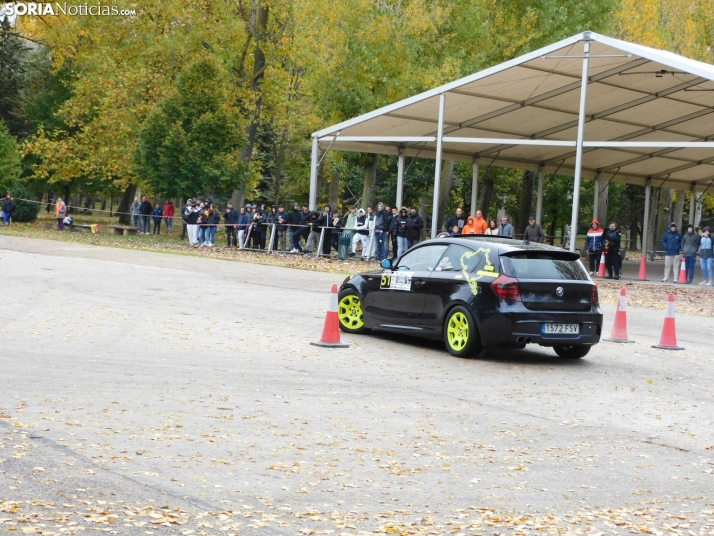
[419,282]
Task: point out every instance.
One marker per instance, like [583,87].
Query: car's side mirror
[387,264]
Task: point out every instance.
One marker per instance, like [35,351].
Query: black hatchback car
[476,292]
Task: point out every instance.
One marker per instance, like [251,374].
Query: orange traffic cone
[601,268]
[668,341]
[331,331]
[619,329]
[683,273]
[643,269]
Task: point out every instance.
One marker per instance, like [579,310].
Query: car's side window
[423,259]
[454,260]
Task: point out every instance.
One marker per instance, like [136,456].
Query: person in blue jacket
[594,244]
[672,244]
[706,254]
[157,215]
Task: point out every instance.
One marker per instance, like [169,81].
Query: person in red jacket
[169,216]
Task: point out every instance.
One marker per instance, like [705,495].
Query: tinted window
[543,267]
[423,259]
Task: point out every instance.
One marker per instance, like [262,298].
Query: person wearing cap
[690,246]
[282,220]
[533,231]
[594,244]
[192,223]
[706,254]
[672,244]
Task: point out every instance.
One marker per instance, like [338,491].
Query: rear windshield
[543,266]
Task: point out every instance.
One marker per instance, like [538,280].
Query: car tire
[576,351]
[349,312]
[461,336]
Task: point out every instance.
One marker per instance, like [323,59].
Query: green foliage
[12,77]
[25,211]
[191,143]
[9,158]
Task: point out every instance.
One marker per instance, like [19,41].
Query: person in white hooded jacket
[362,234]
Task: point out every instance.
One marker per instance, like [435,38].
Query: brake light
[594,298]
[507,288]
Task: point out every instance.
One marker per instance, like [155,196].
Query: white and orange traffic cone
[642,276]
[619,329]
[683,272]
[668,341]
[601,268]
[331,331]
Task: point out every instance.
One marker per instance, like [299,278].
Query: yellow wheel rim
[350,312]
[457,332]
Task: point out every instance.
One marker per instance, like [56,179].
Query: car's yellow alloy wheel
[350,312]
[458,331]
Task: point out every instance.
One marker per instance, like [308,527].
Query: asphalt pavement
[154,393]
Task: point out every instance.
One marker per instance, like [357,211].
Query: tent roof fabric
[635,94]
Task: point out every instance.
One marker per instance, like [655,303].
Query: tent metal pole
[692,204]
[596,195]
[579,148]
[437,170]
[314,163]
[400,178]
[474,188]
[539,201]
[646,219]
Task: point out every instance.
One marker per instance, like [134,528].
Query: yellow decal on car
[470,260]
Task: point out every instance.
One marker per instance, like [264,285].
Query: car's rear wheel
[575,351]
[349,311]
[461,335]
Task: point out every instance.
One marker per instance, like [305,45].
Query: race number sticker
[397,281]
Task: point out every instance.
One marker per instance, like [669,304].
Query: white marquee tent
[588,106]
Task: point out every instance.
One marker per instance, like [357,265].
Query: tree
[10,168]
[12,74]
[191,143]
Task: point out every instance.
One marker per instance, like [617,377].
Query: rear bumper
[526,327]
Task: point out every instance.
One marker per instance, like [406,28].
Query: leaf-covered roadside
[690,299]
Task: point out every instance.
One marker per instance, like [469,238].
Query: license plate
[561,329]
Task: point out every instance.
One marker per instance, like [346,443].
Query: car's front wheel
[461,335]
[349,311]
[575,351]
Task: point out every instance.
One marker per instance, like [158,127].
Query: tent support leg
[400,178]
[474,189]
[437,170]
[539,201]
[314,163]
[692,204]
[596,196]
[579,148]
[646,219]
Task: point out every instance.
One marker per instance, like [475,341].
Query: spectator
[594,243]
[145,209]
[533,232]
[191,218]
[395,247]
[613,261]
[243,224]
[135,210]
[690,246]
[351,220]
[326,223]
[389,216]
[480,224]
[672,244]
[60,213]
[492,228]
[258,230]
[416,225]
[281,219]
[338,224]
[169,211]
[400,227]
[362,235]
[506,229]
[706,254]
[201,222]
[212,219]
[157,215]
[457,220]
[303,231]
[381,232]
[8,208]
[293,223]
[184,215]
[455,231]
[230,218]
[469,228]
[313,226]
